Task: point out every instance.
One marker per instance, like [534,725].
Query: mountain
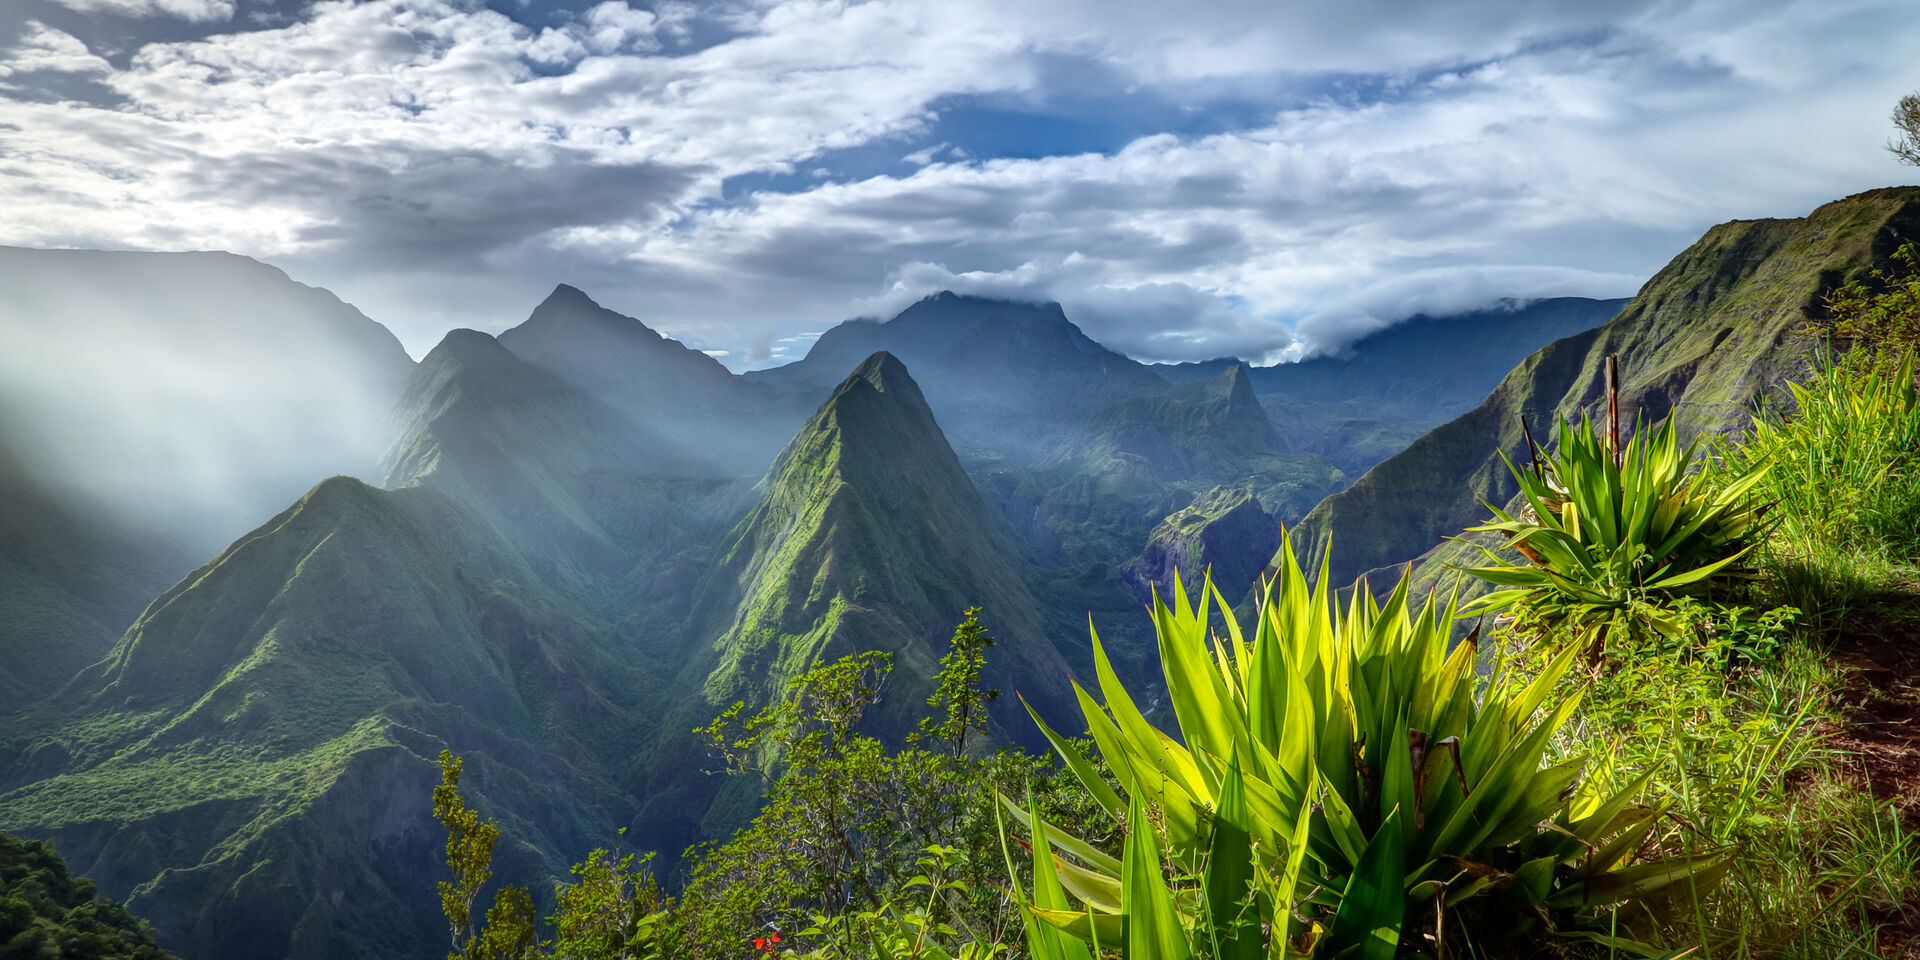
[671,388]
[1137,460]
[869,536]
[1385,390]
[247,767]
[526,448]
[1223,532]
[153,407]
[1009,379]
[1080,449]
[260,743]
[70,582]
[1706,336]
[200,390]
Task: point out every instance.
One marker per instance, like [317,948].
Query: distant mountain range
[585,539]
[1386,389]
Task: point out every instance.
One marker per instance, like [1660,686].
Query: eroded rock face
[1224,531]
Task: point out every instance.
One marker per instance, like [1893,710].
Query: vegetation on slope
[1342,786]
[47,912]
[868,529]
[1711,332]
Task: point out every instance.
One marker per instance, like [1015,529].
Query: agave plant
[1340,785]
[1605,537]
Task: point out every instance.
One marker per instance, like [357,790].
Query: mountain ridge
[1709,333]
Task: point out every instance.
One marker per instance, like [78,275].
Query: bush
[1610,542]
[1882,311]
[1342,785]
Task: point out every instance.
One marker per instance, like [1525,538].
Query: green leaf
[1234,918]
[1373,905]
[1153,926]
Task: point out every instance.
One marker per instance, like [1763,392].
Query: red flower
[766,944]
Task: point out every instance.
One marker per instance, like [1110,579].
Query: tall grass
[1844,481]
[1740,752]
[1733,724]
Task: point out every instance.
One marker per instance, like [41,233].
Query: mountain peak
[870,507]
[569,309]
[1233,388]
[939,304]
[464,345]
[885,373]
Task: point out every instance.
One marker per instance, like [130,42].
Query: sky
[1190,180]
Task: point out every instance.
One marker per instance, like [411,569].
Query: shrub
[1610,541]
[1881,311]
[1341,785]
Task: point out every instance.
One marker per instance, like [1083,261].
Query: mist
[191,395]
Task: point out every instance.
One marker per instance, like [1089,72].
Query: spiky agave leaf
[1343,755]
[1603,536]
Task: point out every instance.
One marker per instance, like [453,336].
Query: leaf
[1229,879]
[1373,906]
[1153,926]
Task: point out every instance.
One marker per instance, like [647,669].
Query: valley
[580,539]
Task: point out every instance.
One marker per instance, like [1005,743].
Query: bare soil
[1880,703]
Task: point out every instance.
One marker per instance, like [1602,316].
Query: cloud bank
[1216,179]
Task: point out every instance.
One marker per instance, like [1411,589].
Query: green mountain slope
[1223,531]
[251,763]
[870,536]
[248,766]
[71,580]
[867,536]
[1705,336]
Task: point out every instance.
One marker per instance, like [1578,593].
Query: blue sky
[1224,177]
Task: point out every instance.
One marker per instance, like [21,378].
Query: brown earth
[1880,702]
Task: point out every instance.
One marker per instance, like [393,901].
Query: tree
[1906,118]
[958,691]
[609,912]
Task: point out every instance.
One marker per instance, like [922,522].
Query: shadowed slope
[249,765]
[676,391]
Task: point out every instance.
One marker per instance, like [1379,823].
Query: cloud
[1444,292]
[436,161]
[613,26]
[43,48]
[193,10]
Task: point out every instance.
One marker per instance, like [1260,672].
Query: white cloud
[613,26]
[434,160]
[195,10]
[43,48]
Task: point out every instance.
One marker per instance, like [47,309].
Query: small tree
[958,691]
[609,912]
[1906,118]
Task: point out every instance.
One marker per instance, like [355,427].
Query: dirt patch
[1880,702]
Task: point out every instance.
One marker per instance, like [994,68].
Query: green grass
[1845,484]
[1740,752]
[1733,716]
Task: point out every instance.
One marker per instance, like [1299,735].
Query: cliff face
[1714,329]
